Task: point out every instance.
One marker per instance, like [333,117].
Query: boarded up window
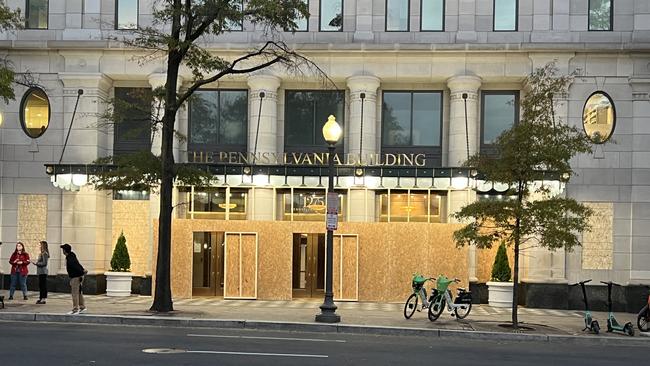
[32,221]
[597,245]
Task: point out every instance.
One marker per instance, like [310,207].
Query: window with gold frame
[307,204]
[410,206]
[217,203]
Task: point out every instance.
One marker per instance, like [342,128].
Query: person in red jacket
[19,261]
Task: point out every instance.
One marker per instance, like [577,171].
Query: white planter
[118,283]
[500,294]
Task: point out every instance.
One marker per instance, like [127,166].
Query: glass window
[35,112]
[302,23]
[308,205]
[599,117]
[218,118]
[500,112]
[600,15]
[126,14]
[397,15]
[410,206]
[411,118]
[122,195]
[305,114]
[505,15]
[236,25]
[36,14]
[432,15]
[218,203]
[331,15]
[132,118]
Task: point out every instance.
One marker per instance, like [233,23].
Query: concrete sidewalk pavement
[357,317]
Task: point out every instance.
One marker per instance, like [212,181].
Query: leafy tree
[9,20]
[501,271]
[177,35]
[121,262]
[536,146]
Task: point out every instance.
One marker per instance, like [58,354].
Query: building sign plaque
[306,159]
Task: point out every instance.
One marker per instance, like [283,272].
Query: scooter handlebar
[581,282]
[607,283]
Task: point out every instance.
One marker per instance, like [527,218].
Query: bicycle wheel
[410,306]
[642,319]
[463,312]
[435,309]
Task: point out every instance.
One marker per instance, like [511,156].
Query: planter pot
[500,294]
[118,283]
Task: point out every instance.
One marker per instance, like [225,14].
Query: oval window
[599,117]
[35,112]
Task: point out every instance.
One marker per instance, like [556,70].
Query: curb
[159,321]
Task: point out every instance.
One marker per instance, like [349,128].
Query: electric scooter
[644,316]
[590,323]
[612,323]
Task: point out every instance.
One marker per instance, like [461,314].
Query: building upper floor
[384,24]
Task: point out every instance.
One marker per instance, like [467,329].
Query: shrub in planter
[500,288]
[501,271]
[121,262]
[118,280]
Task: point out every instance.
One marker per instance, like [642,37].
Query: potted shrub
[118,279]
[500,287]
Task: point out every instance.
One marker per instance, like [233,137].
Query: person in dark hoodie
[76,273]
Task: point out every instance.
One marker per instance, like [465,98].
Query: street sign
[332,219]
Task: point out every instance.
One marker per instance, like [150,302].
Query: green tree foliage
[121,262]
[501,271]
[9,20]
[177,40]
[537,147]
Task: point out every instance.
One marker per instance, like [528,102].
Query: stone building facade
[475,50]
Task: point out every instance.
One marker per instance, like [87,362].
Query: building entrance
[308,269]
[207,264]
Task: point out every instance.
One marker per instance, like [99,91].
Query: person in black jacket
[76,273]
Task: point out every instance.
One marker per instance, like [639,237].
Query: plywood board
[232,265]
[336,267]
[248,266]
[349,271]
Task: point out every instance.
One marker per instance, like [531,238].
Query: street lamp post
[332,133]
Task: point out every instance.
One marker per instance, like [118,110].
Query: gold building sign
[306,159]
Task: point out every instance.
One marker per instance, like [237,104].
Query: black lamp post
[332,133]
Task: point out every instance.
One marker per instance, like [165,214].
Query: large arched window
[599,117]
[35,112]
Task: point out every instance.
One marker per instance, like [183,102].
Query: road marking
[269,338]
[260,354]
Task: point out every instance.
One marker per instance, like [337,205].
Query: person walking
[41,271]
[19,261]
[76,273]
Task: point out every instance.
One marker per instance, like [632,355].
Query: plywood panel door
[240,265]
[345,268]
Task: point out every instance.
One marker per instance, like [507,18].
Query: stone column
[262,132]
[363,85]
[362,205]
[459,140]
[86,215]
[266,86]
[458,86]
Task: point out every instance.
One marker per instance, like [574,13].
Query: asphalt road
[74,344]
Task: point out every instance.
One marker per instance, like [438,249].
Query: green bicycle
[417,283]
[441,297]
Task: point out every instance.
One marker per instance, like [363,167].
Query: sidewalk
[372,318]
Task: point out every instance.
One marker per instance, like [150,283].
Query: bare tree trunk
[515,285]
[163,295]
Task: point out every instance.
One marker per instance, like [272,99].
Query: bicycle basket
[417,282]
